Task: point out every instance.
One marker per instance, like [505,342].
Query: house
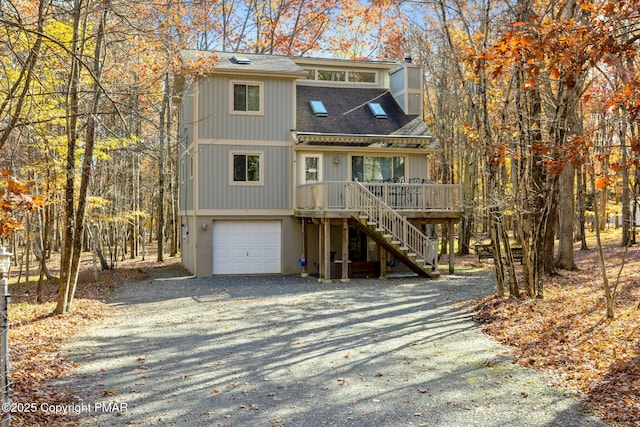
[293,165]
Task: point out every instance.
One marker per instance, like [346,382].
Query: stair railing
[361,201]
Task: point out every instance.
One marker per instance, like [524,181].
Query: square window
[246,168]
[247,97]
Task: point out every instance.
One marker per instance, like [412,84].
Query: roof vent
[243,60]
[318,108]
[377,110]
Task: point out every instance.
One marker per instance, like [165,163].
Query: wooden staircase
[393,231]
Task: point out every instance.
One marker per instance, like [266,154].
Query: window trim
[347,80]
[233,182]
[247,83]
[390,156]
[303,167]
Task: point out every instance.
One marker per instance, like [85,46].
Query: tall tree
[76,207]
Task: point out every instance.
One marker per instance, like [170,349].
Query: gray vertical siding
[216,193]
[417,167]
[414,80]
[186,121]
[396,83]
[186,183]
[185,151]
[336,172]
[216,122]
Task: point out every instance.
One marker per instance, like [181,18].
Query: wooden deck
[435,202]
[392,215]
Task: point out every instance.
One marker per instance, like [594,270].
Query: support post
[326,223]
[452,240]
[321,242]
[4,355]
[305,272]
[382,257]
[5,267]
[345,250]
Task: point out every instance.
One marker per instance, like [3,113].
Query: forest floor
[567,332]
[36,335]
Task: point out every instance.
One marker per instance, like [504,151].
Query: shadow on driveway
[288,351]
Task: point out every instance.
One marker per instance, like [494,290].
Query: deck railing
[390,223]
[332,195]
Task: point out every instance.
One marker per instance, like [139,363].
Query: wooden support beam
[382,258]
[320,251]
[305,272]
[452,240]
[326,225]
[345,250]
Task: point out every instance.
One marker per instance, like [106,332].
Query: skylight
[377,110]
[241,60]
[318,108]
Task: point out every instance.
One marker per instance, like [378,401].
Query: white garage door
[246,247]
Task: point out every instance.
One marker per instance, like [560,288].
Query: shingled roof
[349,114]
[232,62]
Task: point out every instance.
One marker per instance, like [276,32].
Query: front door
[310,168]
[311,173]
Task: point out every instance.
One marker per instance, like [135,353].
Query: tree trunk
[494,214]
[582,233]
[161,160]
[74,216]
[603,270]
[88,152]
[66,274]
[549,222]
[565,259]
[626,197]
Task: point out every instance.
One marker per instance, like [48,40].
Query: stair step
[396,242]
[379,229]
[433,274]
[371,223]
[388,237]
[412,255]
[403,249]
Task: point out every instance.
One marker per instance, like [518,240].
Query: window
[242,60]
[377,110]
[247,97]
[318,108]
[311,169]
[246,168]
[377,169]
[362,77]
[332,76]
[366,77]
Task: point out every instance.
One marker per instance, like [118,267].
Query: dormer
[343,73]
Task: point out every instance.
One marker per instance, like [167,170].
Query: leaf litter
[36,336]
[568,334]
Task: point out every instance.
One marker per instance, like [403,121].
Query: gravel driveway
[288,351]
